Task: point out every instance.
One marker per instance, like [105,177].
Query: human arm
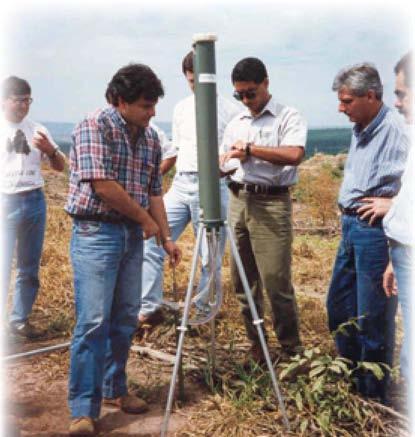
[389,281]
[374,208]
[44,144]
[167,164]
[158,213]
[279,155]
[114,195]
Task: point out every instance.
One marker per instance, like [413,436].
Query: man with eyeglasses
[268,141]
[25,144]
[182,201]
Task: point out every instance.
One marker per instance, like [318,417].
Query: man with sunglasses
[268,139]
[23,210]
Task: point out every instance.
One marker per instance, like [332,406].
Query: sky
[68,51]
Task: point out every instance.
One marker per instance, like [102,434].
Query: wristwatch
[165,240]
[248,148]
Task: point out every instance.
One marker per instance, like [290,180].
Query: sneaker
[128,403]
[26,330]
[82,426]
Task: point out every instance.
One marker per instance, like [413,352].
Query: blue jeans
[403,266]
[356,291]
[106,260]
[23,218]
[182,207]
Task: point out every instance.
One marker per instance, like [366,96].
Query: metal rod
[182,395]
[257,322]
[36,352]
[183,329]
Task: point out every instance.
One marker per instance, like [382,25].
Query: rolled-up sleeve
[93,152]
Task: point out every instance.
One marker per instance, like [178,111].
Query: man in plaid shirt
[115,201]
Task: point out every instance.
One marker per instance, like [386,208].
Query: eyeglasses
[25,100]
[240,95]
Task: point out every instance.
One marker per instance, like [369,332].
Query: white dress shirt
[167,149]
[276,126]
[184,129]
[399,221]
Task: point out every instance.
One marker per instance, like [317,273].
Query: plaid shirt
[102,151]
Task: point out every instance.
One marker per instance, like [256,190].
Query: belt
[188,172]
[235,187]
[348,211]
[104,219]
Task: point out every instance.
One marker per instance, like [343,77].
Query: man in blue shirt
[373,169]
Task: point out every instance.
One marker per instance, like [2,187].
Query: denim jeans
[403,266]
[23,218]
[182,207]
[356,291]
[106,260]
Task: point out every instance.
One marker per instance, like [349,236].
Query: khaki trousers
[262,227]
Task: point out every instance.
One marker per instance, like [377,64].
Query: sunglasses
[240,95]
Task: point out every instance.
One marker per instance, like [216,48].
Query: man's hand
[151,229]
[376,207]
[173,251]
[238,150]
[41,141]
[389,281]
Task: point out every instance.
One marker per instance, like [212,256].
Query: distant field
[329,140]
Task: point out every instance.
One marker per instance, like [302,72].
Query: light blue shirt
[376,160]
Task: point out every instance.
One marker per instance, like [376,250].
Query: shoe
[288,352]
[254,357]
[25,330]
[128,403]
[152,319]
[83,426]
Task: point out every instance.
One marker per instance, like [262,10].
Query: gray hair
[359,79]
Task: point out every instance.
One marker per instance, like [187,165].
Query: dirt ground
[37,399]
[37,387]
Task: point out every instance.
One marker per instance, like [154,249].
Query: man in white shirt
[398,224]
[168,152]
[268,139]
[24,144]
[182,200]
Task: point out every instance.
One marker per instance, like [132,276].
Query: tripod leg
[257,322]
[182,329]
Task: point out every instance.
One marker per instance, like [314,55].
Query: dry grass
[223,413]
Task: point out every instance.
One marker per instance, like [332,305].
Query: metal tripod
[255,319]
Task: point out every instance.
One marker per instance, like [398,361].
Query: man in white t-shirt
[268,139]
[399,228]
[182,200]
[24,144]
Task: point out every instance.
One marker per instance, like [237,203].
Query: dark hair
[13,85]
[187,63]
[132,82]
[249,70]
[405,65]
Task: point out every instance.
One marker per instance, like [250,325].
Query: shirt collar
[270,107]
[366,133]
